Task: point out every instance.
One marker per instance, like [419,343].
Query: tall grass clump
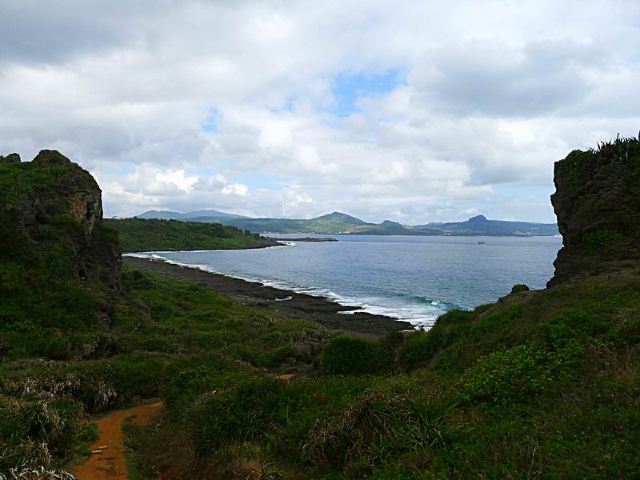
[248,412]
[347,355]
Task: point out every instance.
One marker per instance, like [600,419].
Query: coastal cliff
[597,202]
[53,239]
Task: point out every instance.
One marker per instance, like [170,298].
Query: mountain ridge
[342,223]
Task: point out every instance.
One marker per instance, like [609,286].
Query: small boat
[480,243]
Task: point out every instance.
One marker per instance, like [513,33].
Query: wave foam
[421,313]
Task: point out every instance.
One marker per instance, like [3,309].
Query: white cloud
[178,179]
[492,94]
[235,188]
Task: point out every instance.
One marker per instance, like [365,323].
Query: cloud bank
[414,111]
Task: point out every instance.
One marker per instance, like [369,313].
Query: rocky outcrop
[10,159]
[597,202]
[51,212]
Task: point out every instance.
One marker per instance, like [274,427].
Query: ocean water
[411,278]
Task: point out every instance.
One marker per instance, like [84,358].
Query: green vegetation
[542,384]
[485,394]
[354,355]
[137,235]
[169,339]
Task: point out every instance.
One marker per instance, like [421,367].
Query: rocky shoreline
[284,302]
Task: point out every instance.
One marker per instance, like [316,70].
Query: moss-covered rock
[597,202]
[59,266]
[10,159]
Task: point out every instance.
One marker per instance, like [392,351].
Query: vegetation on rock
[597,202]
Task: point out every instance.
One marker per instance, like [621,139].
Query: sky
[413,111]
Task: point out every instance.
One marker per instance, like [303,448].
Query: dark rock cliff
[597,202]
[9,159]
[51,221]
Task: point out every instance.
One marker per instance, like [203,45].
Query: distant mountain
[196,215]
[480,225]
[332,223]
[341,223]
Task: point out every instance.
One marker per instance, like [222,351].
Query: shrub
[518,373]
[519,287]
[418,349]
[32,431]
[355,355]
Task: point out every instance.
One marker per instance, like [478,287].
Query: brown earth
[107,460]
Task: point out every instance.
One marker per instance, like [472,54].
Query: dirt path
[109,463]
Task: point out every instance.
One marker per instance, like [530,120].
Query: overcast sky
[413,111]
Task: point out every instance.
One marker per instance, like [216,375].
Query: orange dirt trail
[110,464]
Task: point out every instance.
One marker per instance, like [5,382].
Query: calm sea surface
[412,278]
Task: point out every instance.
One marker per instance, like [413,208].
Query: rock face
[51,213]
[79,193]
[9,159]
[597,202]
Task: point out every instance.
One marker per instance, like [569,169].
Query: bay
[414,278]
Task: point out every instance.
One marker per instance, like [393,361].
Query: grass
[488,399]
[484,394]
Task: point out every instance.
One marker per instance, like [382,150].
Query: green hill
[137,235]
[341,223]
[480,225]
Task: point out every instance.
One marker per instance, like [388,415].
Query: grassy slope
[541,385]
[143,235]
[162,329]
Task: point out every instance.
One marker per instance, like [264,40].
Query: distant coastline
[338,223]
[290,303]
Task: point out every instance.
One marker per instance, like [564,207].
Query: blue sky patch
[347,87]
[211,123]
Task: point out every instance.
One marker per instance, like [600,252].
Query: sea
[413,278]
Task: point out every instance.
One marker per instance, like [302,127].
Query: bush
[355,355]
[372,430]
[418,349]
[519,287]
[32,431]
[518,373]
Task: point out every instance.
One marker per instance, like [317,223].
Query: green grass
[485,394]
[138,235]
[543,384]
